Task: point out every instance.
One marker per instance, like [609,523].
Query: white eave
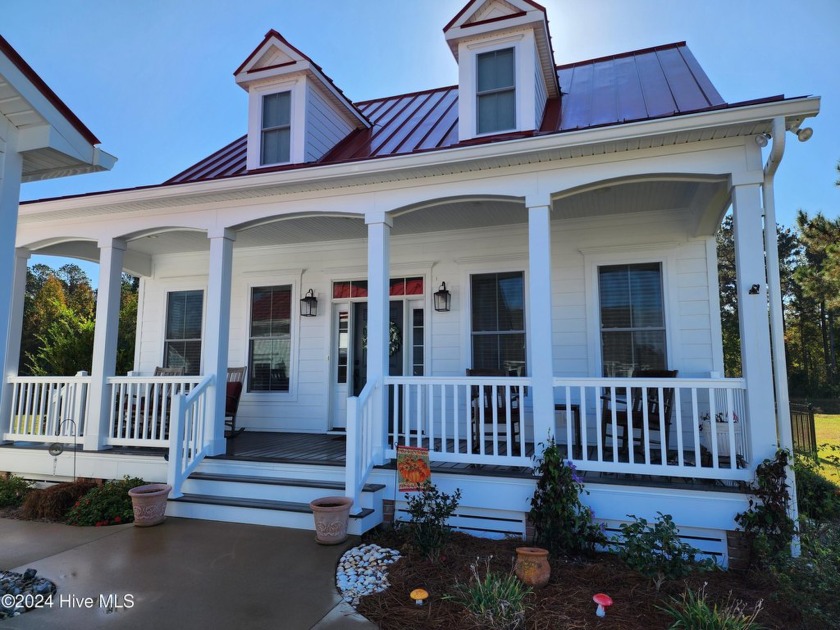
[678,130]
[50,143]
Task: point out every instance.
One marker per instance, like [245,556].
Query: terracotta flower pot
[149,503]
[532,566]
[332,515]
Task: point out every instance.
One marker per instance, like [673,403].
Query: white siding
[325,127]
[540,93]
[441,257]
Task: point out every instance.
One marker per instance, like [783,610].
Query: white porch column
[753,320]
[217,331]
[15,331]
[379,255]
[11,168]
[111,253]
[540,339]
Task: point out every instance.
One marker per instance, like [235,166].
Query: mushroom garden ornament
[604,601]
[419,595]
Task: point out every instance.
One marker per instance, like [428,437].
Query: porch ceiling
[705,200]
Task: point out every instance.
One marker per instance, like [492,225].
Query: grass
[828,440]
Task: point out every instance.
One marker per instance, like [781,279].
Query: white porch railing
[360,441]
[475,420]
[708,436]
[141,408]
[48,408]
[190,439]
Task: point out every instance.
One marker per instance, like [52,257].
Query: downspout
[777,338]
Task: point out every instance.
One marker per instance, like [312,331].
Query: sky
[154,80]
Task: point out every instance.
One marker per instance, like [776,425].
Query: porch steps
[269,500]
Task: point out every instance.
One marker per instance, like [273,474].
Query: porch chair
[235,383]
[636,413]
[169,371]
[484,399]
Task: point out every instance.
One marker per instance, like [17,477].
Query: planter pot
[149,503]
[532,566]
[331,517]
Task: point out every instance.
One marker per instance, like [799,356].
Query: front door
[405,349]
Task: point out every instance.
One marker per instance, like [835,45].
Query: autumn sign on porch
[412,468]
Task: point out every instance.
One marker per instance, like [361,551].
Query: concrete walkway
[181,574]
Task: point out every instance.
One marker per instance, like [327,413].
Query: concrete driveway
[181,574]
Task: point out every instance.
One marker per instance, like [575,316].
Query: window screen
[498,322]
[276,128]
[632,318]
[182,347]
[496,92]
[270,344]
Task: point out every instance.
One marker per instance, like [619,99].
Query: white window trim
[166,288]
[667,259]
[294,327]
[524,51]
[297,108]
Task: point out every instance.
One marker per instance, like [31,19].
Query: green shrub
[692,611]
[815,494]
[13,490]
[811,582]
[657,552]
[53,503]
[766,522]
[430,510]
[562,524]
[108,504]
[498,600]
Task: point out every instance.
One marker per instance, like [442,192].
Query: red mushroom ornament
[603,600]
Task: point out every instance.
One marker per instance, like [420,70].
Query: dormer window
[496,91]
[276,128]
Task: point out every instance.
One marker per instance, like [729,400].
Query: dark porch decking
[329,450]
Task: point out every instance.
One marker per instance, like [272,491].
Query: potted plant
[149,503]
[332,515]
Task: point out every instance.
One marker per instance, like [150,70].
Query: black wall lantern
[443,299]
[309,305]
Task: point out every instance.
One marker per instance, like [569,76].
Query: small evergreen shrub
[498,600]
[430,510]
[656,550]
[766,521]
[13,490]
[53,503]
[562,524]
[108,504]
[693,611]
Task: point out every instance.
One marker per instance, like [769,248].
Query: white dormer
[506,70]
[295,112]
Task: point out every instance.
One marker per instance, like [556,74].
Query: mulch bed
[566,602]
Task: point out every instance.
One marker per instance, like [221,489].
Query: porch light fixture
[804,134]
[443,299]
[762,139]
[309,305]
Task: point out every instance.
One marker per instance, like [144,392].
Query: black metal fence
[804,431]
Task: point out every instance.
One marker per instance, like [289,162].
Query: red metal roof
[634,86]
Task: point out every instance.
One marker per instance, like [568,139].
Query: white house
[565,213]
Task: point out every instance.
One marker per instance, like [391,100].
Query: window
[269,350]
[498,322]
[276,128]
[496,102]
[632,318]
[183,330]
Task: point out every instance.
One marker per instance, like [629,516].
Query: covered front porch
[553,249]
